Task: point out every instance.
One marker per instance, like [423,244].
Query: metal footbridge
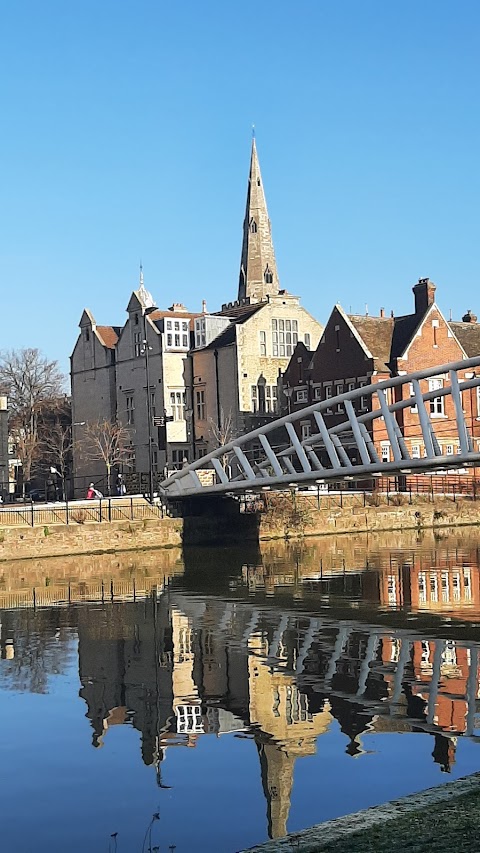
[275,457]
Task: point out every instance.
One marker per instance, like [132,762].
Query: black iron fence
[106,509]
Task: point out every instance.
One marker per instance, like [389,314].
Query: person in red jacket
[90,492]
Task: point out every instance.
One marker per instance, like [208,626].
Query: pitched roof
[468,335]
[108,335]
[376,334]
[238,315]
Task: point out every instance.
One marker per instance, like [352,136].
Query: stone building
[109,368]
[4,461]
[212,375]
[239,351]
[355,351]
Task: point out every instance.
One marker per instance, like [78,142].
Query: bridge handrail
[324,405]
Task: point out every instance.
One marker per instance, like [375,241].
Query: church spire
[258,268]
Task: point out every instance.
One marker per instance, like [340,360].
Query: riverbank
[439,819]
[286,517]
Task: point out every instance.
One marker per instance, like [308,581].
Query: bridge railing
[275,455]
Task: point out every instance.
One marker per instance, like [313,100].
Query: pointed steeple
[258,268]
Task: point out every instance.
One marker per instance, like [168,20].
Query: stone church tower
[258,268]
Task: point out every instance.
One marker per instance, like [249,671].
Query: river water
[211,700]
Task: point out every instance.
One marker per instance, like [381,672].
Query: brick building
[357,350]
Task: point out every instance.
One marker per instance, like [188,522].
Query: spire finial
[141,274]
[253,131]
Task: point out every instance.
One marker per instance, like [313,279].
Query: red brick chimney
[424,293]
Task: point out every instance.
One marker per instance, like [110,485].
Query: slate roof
[238,315]
[468,335]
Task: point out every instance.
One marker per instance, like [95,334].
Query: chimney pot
[469,317]
[382,312]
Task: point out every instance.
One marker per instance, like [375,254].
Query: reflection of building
[286,727]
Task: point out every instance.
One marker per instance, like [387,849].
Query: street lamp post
[146,349]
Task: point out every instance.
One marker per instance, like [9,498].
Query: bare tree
[31,381]
[222,432]
[57,446]
[108,442]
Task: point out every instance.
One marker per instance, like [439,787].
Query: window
[200,404]
[307,340]
[467,589]
[168,325]
[177,405]
[185,326]
[363,399]
[136,319]
[339,390]
[264,398]
[456,586]
[437,404]
[337,338]
[415,451]
[433,587]
[130,409]
[448,450]
[177,340]
[422,588]
[263,343]
[185,341]
[305,430]
[169,340]
[328,396]
[137,343]
[435,332]
[87,335]
[413,407]
[153,407]
[445,592]
[253,227]
[318,393]
[155,461]
[302,395]
[177,325]
[268,275]
[177,458]
[385,451]
[392,589]
[284,337]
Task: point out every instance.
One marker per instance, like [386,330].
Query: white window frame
[305,430]
[437,405]
[328,396]
[385,451]
[301,395]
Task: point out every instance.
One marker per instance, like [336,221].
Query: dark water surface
[241,694]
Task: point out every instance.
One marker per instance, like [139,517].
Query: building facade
[355,351]
[205,377]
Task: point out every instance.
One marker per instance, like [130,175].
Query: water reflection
[278,648]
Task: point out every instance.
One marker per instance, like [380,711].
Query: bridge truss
[276,457]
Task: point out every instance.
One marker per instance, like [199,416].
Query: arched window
[268,275]
[253,227]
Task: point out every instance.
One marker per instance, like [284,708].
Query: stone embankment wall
[295,517]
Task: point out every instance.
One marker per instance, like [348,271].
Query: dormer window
[268,275]
[253,227]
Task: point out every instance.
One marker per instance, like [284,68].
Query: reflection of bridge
[277,455]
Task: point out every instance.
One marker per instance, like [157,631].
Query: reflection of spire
[277,779]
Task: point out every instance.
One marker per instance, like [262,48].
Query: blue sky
[126,129]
